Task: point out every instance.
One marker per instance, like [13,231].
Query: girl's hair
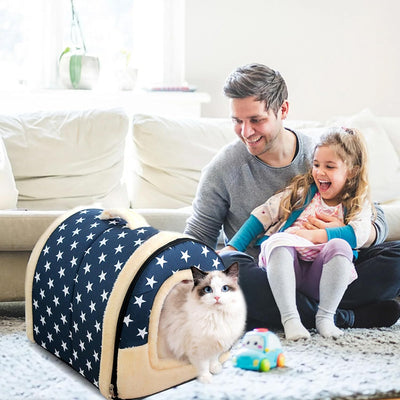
[349,145]
[259,81]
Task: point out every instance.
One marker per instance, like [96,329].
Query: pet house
[94,293]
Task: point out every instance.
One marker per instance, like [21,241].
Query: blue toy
[261,350]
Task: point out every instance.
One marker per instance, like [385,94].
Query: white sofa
[60,160]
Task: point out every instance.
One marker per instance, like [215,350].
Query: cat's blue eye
[225,288]
[207,289]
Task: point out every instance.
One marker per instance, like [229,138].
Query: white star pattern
[142,332]
[185,255]
[102,258]
[66,290]
[89,287]
[104,295]
[56,301]
[102,276]
[216,263]
[90,237]
[92,306]
[161,261]
[74,279]
[87,268]
[118,249]
[151,282]
[128,320]
[103,242]
[118,266]
[138,242]
[205,251]
[139,301]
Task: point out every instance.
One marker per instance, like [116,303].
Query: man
[250,170]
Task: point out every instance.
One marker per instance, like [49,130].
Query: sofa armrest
[20,229]
[392,214]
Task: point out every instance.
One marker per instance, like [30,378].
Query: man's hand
[226,248]
[314,235]
[322,221]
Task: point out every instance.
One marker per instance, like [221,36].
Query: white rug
[363,364]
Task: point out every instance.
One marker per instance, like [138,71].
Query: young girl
[318,262]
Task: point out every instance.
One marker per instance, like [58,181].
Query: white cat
[202,319]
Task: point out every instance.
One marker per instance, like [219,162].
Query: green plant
[78,49]
[75,66]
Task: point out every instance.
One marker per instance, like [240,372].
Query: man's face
[257,128]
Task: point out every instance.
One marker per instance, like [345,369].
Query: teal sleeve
[344,232]
[248,231]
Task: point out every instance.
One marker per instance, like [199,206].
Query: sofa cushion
[392,128]
[65,159]
[9,193]
[171,153]
[384,162]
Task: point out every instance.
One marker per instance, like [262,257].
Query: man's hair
[259,81]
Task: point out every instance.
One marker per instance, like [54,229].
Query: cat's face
[216,288]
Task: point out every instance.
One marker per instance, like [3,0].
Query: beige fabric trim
[138,378]
[166,287]
[115,302]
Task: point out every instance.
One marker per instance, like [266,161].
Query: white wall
[337,57]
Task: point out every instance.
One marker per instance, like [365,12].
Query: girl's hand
[226,248]
[322,221]
[316,236]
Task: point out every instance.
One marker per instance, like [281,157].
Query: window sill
[177,104]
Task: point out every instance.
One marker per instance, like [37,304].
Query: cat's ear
[198,275]
[233,271]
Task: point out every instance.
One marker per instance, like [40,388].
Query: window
[147,34]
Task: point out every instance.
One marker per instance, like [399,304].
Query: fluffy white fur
[133,219]
[201,319]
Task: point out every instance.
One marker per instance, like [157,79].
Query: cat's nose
[216,298]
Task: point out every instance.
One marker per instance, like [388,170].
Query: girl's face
[330,174]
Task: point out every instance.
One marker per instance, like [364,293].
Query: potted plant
[78,70]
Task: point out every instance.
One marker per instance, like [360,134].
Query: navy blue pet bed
[94,293]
